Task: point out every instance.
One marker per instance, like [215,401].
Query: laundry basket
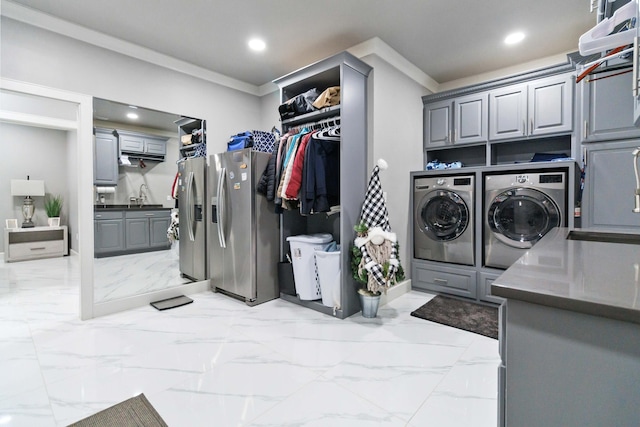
[304,266]
[328,264]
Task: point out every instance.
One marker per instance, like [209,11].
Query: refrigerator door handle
[221,206]
[190,221]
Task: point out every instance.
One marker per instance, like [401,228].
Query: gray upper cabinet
[459,121]
[607,110]
[105,158]
[148,147]
[551,106]
[471,119]
[437,123]
[541,107]
[508,116]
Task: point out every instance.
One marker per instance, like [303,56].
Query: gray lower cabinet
[108,232]
[131,231]
[105,158]
[610,186]
[484,285]
[444,278]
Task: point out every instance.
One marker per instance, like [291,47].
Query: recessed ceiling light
[133,106]
[514,38]
[132,116]
[257,45]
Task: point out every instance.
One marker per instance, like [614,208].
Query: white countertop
[597,278]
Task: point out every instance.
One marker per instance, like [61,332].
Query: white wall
[37,56]
[396,136]
[43,155]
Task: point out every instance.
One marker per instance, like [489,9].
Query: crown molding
[47,22]
[375,46]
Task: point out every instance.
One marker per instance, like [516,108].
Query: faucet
[142,195]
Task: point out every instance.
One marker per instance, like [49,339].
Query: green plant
[53,206]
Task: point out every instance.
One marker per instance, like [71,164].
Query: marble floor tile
[219,362]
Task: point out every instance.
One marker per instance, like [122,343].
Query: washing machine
[519,209]
[443,218]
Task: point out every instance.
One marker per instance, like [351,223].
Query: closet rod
[333,120]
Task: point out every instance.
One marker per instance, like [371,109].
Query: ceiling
[116,113]
[446,39]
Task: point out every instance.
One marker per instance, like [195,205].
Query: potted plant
[378,246]
[53,206]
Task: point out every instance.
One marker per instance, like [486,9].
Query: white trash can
[304,266]
[329,277]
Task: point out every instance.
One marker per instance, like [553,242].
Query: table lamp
[27,188]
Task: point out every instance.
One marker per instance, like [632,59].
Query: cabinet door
[109,235]
[610,186]
[131,143]
[159,227]
[608,108]
[137,233]
[105,159]
[437,123]
[471,119]
[550,106]
[486,279]
[153,146]
[508,113]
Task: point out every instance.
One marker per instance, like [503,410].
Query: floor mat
[134,412]
[466,315]
[166,304]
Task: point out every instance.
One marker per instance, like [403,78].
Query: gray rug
[466,315]
[134,412]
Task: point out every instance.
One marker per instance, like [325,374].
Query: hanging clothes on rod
[303,172]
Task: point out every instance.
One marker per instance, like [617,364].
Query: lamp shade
[27,187]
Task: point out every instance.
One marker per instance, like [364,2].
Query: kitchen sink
[603,236]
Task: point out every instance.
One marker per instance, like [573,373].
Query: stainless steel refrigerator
[243,228]
[192,225]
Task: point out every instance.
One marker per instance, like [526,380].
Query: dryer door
[443,215]
[520,217]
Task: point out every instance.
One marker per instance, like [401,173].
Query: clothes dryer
[520,207]
[443,218]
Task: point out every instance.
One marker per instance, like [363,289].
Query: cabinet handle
[98,216]
[38,249]
[149,214]
[586,129]
[441,281]
[634,85]
[531,128]
[455,135]
[524,127]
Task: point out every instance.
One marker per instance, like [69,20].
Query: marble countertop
[592,277]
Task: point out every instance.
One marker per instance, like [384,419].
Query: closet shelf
[313,116]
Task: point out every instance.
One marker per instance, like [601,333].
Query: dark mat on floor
[472,317]
[174,302]
[134,412]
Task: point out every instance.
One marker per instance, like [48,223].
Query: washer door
[520,217]
[443,215]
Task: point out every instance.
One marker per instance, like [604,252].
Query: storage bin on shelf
[304,267]
[328,264]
